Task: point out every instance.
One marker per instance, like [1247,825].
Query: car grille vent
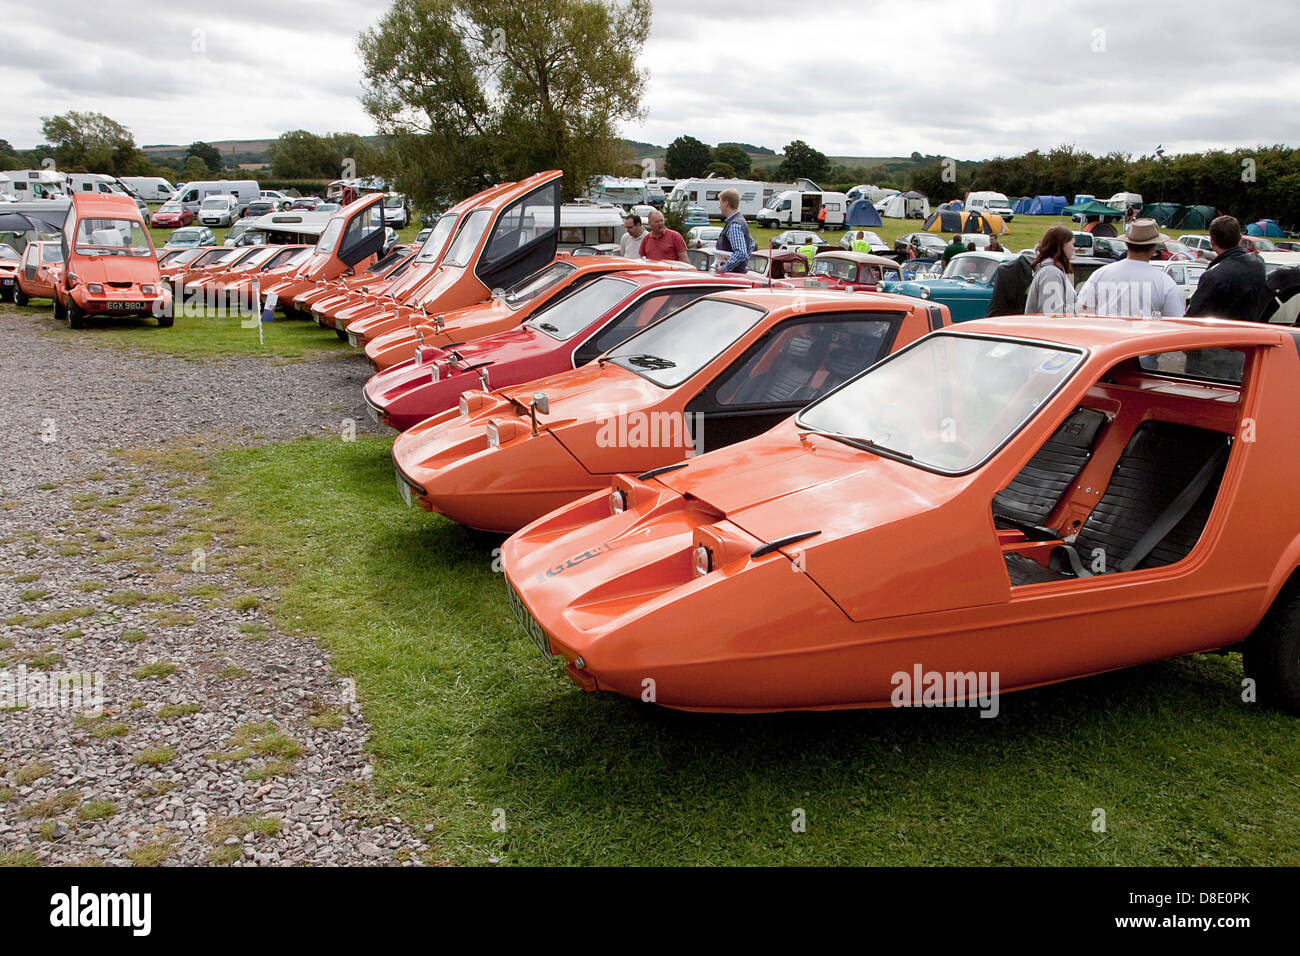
[120,285]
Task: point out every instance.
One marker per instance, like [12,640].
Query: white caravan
[36,183]
[704,193]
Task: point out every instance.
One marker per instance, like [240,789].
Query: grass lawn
[200,336]
[471,726]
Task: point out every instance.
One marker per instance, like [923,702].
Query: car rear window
[1212,365]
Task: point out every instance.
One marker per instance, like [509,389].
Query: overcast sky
[970,78]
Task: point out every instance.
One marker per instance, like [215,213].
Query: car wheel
[166,321]
[60,310]
[1271,655]
[21,297]
[76,318]
[342,334]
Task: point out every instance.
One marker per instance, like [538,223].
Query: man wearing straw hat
[1132,286]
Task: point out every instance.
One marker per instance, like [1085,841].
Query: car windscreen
[436,241]
[253,257]
[543,280]
[111,237]
[185,258]
[215,202]
[285,257]
[467,240]
[571,314]
[214,256]
[675,348]
[838,268]
[946,403]
[330,237]
[8,252]
[394,202]
[51,252]
[971,269]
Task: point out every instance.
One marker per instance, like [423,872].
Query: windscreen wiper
[866,444]
[650,361]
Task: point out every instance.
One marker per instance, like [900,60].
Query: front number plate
[536,633]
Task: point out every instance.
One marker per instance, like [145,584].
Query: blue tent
[1265,227]
[862,215]
[1046,206]
[1021,207]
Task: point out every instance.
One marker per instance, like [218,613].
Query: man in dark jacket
[1011,285]
[1232,286]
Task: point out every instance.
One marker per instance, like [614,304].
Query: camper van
[586,223]
[152,189]
[996,203]
[191,195]
[1122,201]
[36,183]
[105,185]
[793,208]
[704,193]
[872,194]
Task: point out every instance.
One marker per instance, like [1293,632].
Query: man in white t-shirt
[1132,286]
[630,243]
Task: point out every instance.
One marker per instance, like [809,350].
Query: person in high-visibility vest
[860,243]
[808,251]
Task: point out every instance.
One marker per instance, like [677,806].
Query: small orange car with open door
[1004,504]
[721,369]
[38,271]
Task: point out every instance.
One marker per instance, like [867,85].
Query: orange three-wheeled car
[1001,505]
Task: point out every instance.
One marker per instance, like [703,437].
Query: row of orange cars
[728,494]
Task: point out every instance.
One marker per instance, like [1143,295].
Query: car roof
[106,204]
[1110,337]
[804,299]
[669,278]
[861,257]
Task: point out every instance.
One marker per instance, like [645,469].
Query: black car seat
[1036,491]
[789,374]
[1154,508]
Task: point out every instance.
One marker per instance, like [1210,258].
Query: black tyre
[76,318]
[60,311]
[342,334]
[7,295]
[166,321]
[21,297]
[1271,655]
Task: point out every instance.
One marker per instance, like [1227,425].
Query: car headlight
[95,288]
[617,502]
[464,406]
[925,292]
[149,289]
[493,435]
[701,561]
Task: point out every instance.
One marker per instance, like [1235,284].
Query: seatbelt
[1176,511]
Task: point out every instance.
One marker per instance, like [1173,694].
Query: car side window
[802,359]
[519,223]
[633,319]
[1178,275]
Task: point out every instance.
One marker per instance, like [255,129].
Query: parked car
[235,236]
[966,286]
[112,268]
[921,268]
[308,203]
[877,245]
[568,332]
[218,211]
[9,262]
[703,237]
[191,236]
[1185,274]
[170,215]
[328,207]
[397,211]
[1107,247]
[721,369]
[1172,249]
[1059,477]
[260,207]
[792,239]
[1286,245]
[423,234]
[696,216]
[39,271]
[1199,245]
[777,264]
[927,242]
[851,271]
[502,312]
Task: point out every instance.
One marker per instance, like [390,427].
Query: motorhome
[191,195]
[872,194]
[1122,201]
[625,192]
[754,195]
[36,183]
[987,201]
[794,208]
[152,189]
[104,185]
[587,223]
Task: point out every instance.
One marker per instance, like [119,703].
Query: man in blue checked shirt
[735,241]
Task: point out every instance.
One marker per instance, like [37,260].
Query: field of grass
[471,727]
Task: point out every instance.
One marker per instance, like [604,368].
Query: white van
[191,195]
[1122,201]
[793,208]
[105,185]
[986,201]
[152,189]
[872,194]
[36,183]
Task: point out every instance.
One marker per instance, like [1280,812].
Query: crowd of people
[659,243]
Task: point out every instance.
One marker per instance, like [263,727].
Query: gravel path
[220,739]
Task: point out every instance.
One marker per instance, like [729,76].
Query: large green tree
[210,155]
[300,154]
[802,160]
[735,157]
[468,92]
[686,157]
[94,143]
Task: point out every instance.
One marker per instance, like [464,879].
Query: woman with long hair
[1052,289]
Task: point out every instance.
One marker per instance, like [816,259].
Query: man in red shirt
[662,243]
